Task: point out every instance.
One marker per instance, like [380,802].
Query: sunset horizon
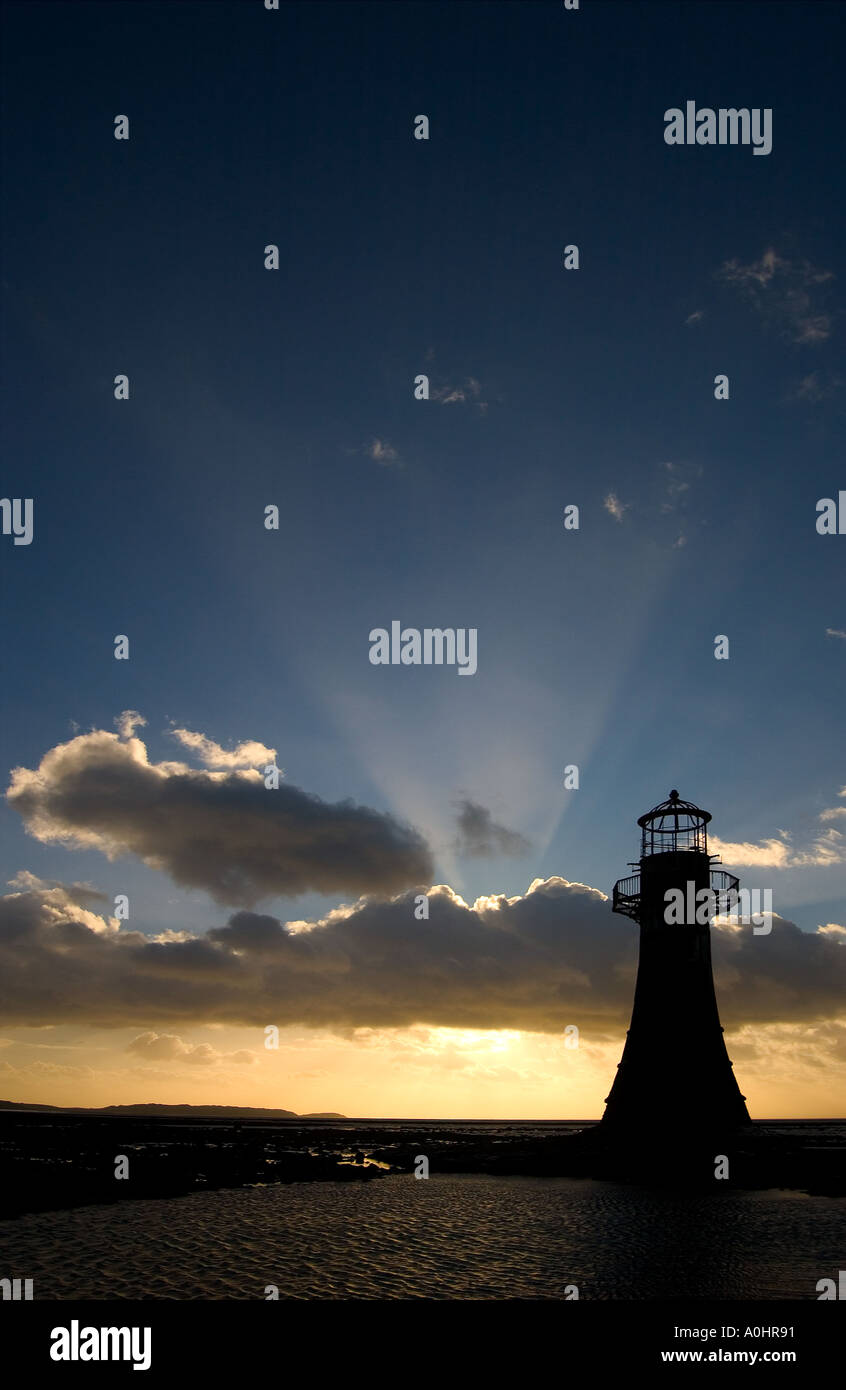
[422,777]
[482,1056]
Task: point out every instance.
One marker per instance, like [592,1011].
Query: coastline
[53,1160]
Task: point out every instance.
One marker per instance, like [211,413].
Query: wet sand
[456,1236]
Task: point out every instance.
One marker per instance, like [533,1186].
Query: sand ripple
[451,1237]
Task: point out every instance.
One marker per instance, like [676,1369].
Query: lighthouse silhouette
[675,1072]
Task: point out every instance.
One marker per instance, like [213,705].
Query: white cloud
[246,754]
[613,505]
[128,722]
[827,849]
[834,812]
[469,392]
[381,451]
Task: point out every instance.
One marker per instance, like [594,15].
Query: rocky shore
[51,1160]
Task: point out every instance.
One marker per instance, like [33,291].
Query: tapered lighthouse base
[675,1070]
[675,1078]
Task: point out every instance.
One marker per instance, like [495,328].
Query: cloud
[674,484]
[168,1047]
[49,1071]
[770,854]
[835,632]
[381,452]
[827,849]
[82,894]
[613,505]
[677,482]
[536,962]
[221,831]
[479,836]
[62,900]
[816,386]
[247,754]
[695,317]
[468,393]
[792,1052]
[834,812]
[783,292]
[126,723]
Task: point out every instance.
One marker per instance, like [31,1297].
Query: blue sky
[594,387]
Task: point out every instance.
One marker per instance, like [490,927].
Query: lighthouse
[675,1074]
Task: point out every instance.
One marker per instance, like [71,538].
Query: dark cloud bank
[554,956]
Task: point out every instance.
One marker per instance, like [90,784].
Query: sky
[253,907]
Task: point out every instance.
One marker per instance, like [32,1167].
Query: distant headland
[152,1110]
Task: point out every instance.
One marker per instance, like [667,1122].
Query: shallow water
[462,1236]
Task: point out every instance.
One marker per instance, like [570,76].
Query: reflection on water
[362,1160]
[448,1237]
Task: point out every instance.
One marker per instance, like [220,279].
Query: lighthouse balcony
[626,899]
[723,883]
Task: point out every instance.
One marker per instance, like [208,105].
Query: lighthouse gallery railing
[626,899]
